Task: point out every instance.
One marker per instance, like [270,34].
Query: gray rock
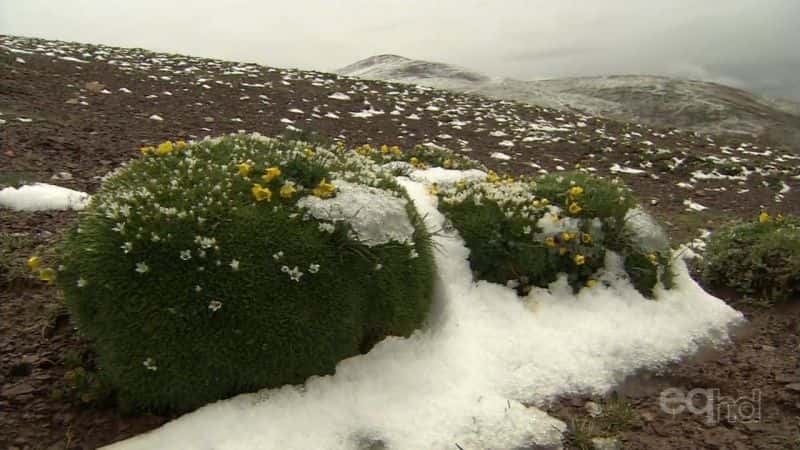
[606,443]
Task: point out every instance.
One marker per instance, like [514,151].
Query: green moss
[217,311]
[756,259]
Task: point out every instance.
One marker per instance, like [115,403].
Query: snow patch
[42,197]
[376,216]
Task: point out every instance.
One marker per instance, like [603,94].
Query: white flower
[413,254]
[326,227]
[234,264]
[150,364]
[142,267]
[313,268]
[127,247]
[294,273]
[215,305]
[378,267]
[197,288]
[278,256]
[526,229]
[186,255]
[81,282]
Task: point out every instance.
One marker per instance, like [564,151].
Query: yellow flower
[586,238]
[309,153]
[652,257]
[537,203]
[180,145]
[271,174]
[447,163]
[763,217]
[545,202]
[287,190]
[147,150]
[550,241]
[324,190]
[261,193]
[562,251]
[384,149]
[34,262]
[492,177]
[48,275]
[575,191]
[396,151]
[434,190]
[165,148]
[591,283]
[580,260]
[244,169]
[575,208]
[567,236]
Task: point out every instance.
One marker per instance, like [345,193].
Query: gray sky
[753,44]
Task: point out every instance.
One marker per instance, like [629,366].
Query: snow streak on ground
[466,378]
[42,197]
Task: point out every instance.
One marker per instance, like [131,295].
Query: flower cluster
[542,227]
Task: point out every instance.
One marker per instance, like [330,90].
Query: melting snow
[499,155]
[339,96]
[42,197]
[463,379]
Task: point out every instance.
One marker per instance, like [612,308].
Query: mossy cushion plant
[529,231]
[760,258]
[205,270]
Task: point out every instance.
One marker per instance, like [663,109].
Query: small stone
[647,416]
[606,443]
[794,387]
[208,119]
[72,101]
[17,390]
[787,378]
[94,86]
[593,409]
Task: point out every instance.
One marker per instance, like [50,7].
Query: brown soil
[45,129]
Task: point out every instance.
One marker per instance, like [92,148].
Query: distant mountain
[657,101]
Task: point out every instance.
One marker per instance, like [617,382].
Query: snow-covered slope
[658,101]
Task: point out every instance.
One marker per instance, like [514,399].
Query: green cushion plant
[529,231]
[202,271]
[760,258]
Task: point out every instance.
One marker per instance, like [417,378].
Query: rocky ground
[70,113]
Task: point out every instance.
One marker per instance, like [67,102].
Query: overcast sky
[754,44]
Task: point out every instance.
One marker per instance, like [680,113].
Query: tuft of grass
[14,251]
[760,259]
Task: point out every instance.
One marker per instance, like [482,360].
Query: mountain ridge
[695,105]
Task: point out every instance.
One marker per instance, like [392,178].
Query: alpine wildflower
[244,169]
[764,217]
[325,189]
[550,241]
[261,193]
[34,262]
[271,173]
[165,148]
[492,177]
[214,305]
[142,268]
[287,190]
[586,238]
[575,208]
[580,260]
[575,191]
[147,150]
[48,275]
